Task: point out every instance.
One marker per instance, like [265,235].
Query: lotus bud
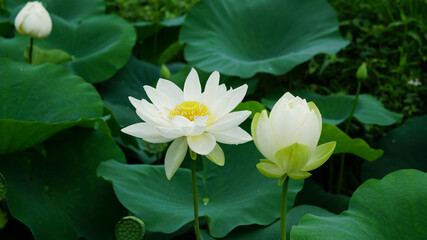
[288,139]
[362,72]
[33,20]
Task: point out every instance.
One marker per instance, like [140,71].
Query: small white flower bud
[33,20]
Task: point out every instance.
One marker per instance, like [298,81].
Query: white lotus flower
[33,20]
[288,139]
[190,118]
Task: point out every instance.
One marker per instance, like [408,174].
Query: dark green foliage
[391,37]
[3,187]
[149,10]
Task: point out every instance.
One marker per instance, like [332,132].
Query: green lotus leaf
[38,101]
[404,147]
[242,38]
[58,195]
[5,24]
[229,196]
[271,231]
[394,207]
[99,45]
[128,82]
[170,53]
[133,147]
[54,56]
[69,10]
[146,29]
[313,194]
[346,144]
[252,106]
[14,48]
[179,78]
[336,109]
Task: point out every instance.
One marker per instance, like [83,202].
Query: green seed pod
[362,72]
[130,228]
[3,187]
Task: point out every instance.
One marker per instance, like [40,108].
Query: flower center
[190,109]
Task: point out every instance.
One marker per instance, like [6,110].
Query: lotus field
[213,119]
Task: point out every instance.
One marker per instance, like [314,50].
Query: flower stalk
[195,204]
[30,53]
[283,210]
[361,75]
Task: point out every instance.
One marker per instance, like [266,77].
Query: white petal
[265,137]
[147,112]
[237,97]
[145,131]
[189,128]
[174,156]
[34,20]
[229,101]
[218,109]
[286,97]
[234,135]
[200,125]
[180,121]
[19,19]
[211,89]
[310,131]
[230,120]
[285,125]
[293,120]
[135,103]
[171,133]
[159,99]
[171,90]
[201,120]
[202,144]
[221,90]
[217,156]
[192,88]
[281,105]
[287,118]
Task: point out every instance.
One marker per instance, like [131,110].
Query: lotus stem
[283,210]
[196,210]
[30,53]
[347,127]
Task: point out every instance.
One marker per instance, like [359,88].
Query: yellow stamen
[190,109]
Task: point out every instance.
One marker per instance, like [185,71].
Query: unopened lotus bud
[362,72]
[288,139]
[33,20]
